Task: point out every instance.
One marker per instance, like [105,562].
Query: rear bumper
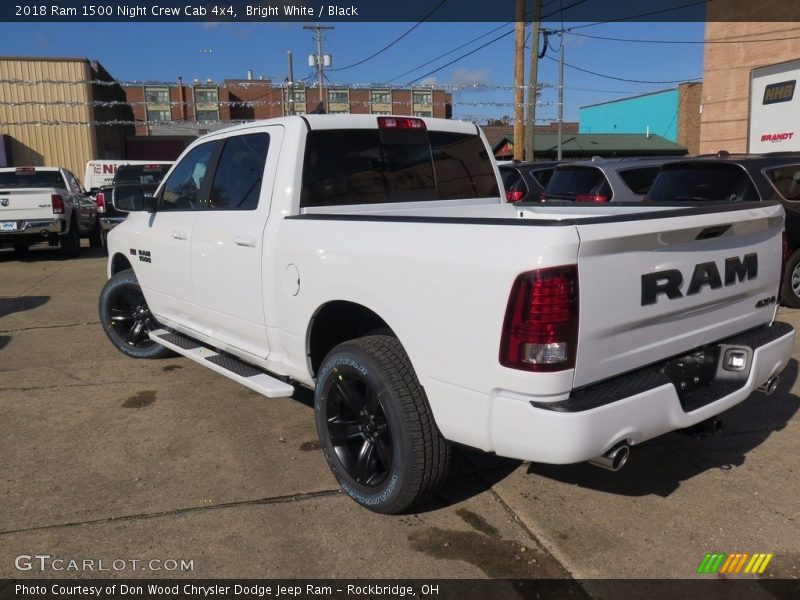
[34,227]
[633,408]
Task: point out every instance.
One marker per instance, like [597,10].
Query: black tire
[376,428]
[126,319]
[22,248]
[790,289]
[96,236]
[71,241]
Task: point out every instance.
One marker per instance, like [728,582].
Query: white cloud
[471,76]
[429,81]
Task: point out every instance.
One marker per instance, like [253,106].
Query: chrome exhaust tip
[614,459]
[770,386]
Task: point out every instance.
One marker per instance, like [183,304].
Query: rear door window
[543,176]
[716,182]
[369,166]
[570,182]
[786,180]
[639,180]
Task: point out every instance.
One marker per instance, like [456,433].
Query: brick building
[198,107]
[727,65]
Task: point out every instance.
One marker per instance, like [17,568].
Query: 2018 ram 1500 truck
[373,259]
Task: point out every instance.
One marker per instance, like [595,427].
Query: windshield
[31,179]
[703,182]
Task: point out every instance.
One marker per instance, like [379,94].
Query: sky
[164,51]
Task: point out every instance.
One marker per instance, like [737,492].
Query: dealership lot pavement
[107,458]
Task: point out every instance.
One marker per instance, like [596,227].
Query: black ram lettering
[664,282]
[741,269]
[704,274]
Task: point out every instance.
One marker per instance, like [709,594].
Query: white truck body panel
[774,108]
[439,274]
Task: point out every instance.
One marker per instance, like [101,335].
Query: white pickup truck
[46,204]
[373,259]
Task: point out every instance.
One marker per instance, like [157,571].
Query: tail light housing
[401,123]
[540,331]
[100,199]
[514,195]
[591,198]
[58,204]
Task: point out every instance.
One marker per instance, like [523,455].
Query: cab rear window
[24,178]
[370,166]
[700,182]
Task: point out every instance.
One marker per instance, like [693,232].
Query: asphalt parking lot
[109,458]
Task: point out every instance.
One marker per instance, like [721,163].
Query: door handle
[242,240]
[180,235]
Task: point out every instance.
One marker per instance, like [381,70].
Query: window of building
[207,115]
[158,115]
[182,187]
[421,97]
[422,113]
[156,95]
[381,96]
[237,179]
[338,97]
[297,95]
[206,96]
[381,112]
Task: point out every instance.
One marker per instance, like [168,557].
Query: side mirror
[132,198]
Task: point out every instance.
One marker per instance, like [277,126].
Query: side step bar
[229,366]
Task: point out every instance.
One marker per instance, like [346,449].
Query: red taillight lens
[400,123]
[591,198]
[100,198]
[514,195]
[540,331]
[58,204]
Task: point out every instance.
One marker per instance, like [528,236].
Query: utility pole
[560,93]
[320,60]
[533,76]
[519,78]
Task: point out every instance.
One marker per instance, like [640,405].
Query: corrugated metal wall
[36,143]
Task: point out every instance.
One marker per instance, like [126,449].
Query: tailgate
[653,288]
[24,205]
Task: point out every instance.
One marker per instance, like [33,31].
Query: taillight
[100,198]
[540,331]
[58,204]
[401,123]
[591,198]
[514,195]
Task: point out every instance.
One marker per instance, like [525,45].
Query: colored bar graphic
[720,562]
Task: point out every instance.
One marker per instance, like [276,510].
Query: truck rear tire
[790,289]
[126,319]
[96,236]
[375,426]
[71,241]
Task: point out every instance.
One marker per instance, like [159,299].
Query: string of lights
[253,104]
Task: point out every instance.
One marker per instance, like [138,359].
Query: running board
[231,367]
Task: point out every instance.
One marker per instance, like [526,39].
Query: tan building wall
[727,66]
[689,99]
[68,146]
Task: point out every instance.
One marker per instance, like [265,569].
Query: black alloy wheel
[126,318]
[358,430]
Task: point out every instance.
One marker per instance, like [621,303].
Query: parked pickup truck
[373,259]
[146,176]
[45,203]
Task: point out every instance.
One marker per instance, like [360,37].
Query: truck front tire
[376,428]
[126,319]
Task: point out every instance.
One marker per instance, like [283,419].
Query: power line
[650,41]
[623,78]
[392,43]
[647,14]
